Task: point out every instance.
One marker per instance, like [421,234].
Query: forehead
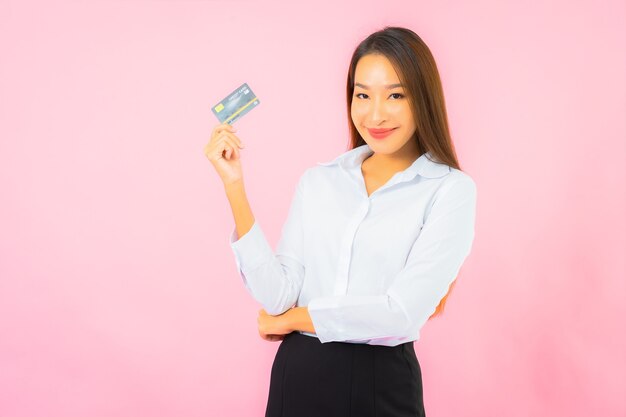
[373,69]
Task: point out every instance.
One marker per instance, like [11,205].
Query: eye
[399,96]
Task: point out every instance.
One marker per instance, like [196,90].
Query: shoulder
[456,176]
[457,185]
[318,175]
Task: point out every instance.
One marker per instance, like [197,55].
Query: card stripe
[240,110]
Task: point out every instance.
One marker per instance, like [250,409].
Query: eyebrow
[388,87]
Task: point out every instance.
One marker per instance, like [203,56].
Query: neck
[397,161]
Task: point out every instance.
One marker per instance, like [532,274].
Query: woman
[372,244]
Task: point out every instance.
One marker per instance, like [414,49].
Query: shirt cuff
[321,312]
[251,250]
[357,318]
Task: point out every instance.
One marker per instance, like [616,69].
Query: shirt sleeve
[432,265]
[273,279]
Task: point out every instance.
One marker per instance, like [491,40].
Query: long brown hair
[417,70]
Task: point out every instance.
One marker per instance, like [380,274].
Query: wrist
[299,319]
[288,320]
[234,186]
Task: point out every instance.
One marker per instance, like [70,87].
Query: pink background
[119,294]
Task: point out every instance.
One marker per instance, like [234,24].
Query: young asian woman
[371,247]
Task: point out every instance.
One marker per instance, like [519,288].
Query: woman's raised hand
[223,152]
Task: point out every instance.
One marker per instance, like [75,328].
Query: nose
[377,112]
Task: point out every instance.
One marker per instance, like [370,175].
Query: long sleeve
[273,279]
[432,265]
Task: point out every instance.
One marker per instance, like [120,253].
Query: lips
[380,133]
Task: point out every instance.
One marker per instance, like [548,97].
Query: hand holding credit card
[223,149]
[236,104]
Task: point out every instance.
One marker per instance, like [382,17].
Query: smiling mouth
[380,134]
[379,131]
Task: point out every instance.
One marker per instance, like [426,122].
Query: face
[379,102]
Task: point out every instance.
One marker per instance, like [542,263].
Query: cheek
[397,109]
[357,111]
[403,113]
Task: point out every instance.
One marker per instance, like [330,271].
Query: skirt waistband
[314,336]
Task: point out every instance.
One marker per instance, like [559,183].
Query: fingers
[230,135]
[228,140]
[226,129]
[222,127]
[229,147]
[271,337]
[224,143]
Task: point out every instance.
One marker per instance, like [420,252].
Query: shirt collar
[424,165]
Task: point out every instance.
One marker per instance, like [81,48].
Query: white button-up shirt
[371,269]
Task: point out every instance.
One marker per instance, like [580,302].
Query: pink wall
[118,291]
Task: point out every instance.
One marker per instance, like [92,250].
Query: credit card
[236,104]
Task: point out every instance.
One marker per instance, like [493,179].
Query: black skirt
[339,379]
